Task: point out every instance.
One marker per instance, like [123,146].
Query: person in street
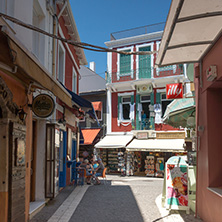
[98,171]
[85,154]
[143,120]
[87,166]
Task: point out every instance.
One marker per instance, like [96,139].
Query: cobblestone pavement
[123,199]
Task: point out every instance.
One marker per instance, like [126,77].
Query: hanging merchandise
[149,166]
[137,162]
[113,160]
[121,163]
[158,113]
[159,167]
[129,164]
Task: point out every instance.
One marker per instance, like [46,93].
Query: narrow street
[122,199]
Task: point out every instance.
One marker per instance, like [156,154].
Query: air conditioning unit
[146,88]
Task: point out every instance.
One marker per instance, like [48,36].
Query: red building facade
[133,80]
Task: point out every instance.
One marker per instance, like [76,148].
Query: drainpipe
[55,32]
[54,47]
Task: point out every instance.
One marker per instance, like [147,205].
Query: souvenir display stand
[176,182]
[149,166]
[129,163]
[121,163]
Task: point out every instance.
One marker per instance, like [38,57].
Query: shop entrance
[12,158]
[17,149]
[148,163]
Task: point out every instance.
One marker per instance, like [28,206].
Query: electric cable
[82,45]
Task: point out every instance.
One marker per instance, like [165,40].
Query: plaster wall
[40,160]
[209,106]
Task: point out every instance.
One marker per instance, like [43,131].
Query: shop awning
[180,112]
[156,145]
[84,104]
[191,29]
[97,106]
[114,141]
[89,135]
[22,65]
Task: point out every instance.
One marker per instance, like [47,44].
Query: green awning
[181,112]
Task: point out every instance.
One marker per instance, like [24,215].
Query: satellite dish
[190,71]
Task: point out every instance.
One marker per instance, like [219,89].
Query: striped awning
[179,111]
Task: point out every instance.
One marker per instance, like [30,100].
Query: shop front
[146,156]
[111,149]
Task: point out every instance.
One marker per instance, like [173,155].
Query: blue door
[74,160]
[62,159]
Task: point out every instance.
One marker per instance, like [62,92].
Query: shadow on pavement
[107,203]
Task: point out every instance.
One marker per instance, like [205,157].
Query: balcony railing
[120,77]
[144,74]
[137,31]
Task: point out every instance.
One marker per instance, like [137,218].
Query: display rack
[121,163]
[129,163]
[149,166]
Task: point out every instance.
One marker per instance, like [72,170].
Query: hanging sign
[211,73]
[174,91]
[43,105]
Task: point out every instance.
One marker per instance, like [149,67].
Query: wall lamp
[21,114]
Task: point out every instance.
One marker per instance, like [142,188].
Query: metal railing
[144,74]
[137,31]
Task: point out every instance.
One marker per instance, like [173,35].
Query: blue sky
[97,19]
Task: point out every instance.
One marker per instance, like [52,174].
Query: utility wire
[74,43]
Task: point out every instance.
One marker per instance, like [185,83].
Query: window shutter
[137,112]
[158,95]
[125,63]
[132,99]
[152,98]
[145,63]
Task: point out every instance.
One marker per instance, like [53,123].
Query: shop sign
[211,73]
[174,91]
[176,183]
[43,105]
[142,135]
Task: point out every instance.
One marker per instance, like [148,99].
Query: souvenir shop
[143,163]
[146,156]
[112,150]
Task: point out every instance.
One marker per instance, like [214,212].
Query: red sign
[174,91]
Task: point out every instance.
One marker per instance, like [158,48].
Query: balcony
[167,71]
[120,77]
[137,31]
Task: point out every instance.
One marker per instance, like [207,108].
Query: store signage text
[174,91]
[43,105]
[142,135]
[211,73]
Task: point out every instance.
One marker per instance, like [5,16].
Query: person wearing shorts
[98,171]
